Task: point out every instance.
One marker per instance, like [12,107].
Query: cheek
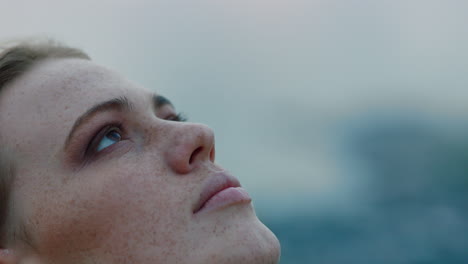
[76,218]
[111,210]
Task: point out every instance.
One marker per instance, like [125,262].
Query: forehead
[45,101]
[57,79]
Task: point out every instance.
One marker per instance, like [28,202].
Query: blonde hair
[16,58]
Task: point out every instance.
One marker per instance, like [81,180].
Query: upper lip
[216,183]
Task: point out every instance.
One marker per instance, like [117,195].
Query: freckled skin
[130,205]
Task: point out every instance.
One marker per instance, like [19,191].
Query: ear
[8,256]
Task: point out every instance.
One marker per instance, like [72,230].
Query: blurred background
[346,120]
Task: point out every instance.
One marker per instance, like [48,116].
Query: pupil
[114,135]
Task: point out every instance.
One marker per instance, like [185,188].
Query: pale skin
[122,200]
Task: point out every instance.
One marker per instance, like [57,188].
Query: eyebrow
[159,101]
[117,104]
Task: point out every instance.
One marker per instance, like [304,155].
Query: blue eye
[109,139]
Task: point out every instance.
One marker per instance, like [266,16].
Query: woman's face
[106,174]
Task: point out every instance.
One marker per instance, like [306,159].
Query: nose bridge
[188,145]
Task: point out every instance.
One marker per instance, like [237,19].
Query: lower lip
[226,197]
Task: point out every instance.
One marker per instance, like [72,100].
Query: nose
[192,145]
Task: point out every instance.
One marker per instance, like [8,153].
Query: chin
[238,238]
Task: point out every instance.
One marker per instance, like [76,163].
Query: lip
[220,191]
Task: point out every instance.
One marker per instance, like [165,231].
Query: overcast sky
[273,78]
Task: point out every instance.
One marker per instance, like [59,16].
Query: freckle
[67,107]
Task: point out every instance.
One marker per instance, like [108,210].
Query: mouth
[221,190]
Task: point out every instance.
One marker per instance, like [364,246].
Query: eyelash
[94,143]
[118,126]
[180,117]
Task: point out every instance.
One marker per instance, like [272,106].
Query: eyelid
[94,141]
[89,152]
[180,117]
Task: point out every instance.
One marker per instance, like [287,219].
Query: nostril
[194,154]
